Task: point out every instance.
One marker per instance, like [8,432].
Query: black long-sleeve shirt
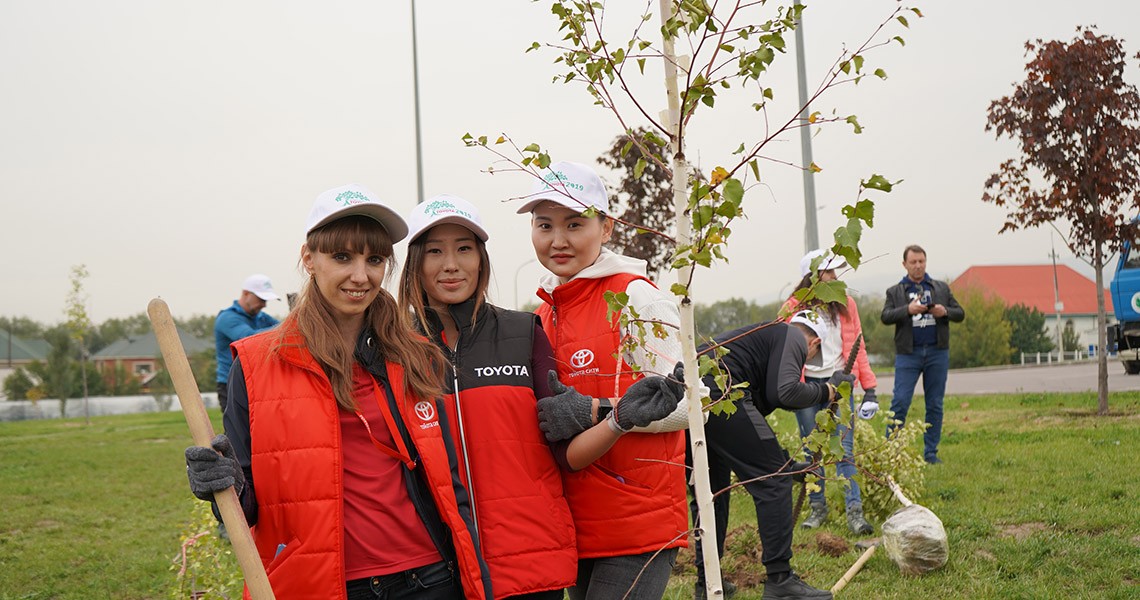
[770,357]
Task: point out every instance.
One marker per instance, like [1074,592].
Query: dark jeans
[744,443]
[547,595]
[222,397]
[932,363]
[431,582]
[610,578]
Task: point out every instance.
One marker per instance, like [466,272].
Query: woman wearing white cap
[626,488]
[497,364]
[335,440]
[845,327]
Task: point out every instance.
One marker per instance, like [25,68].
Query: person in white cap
[335,439]
[497,362]
[845,326]
[624,487]
[240,320]
[770,358]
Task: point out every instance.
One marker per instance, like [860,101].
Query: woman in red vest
[335,440]
[626,488]
[498,360]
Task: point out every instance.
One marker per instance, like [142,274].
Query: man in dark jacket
[770,357]
[921,310]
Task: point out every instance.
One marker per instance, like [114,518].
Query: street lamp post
[518,306]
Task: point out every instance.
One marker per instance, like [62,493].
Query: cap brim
[393,223]
[267,296]
[476,229]
[570,203]
[817,360]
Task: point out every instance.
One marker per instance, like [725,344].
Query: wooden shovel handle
[202,432]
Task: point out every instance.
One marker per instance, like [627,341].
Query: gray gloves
[840,377]
[210,471]
[647,400]
[870,404]
[565,414]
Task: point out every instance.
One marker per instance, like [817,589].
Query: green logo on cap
[438,207]
[351,197]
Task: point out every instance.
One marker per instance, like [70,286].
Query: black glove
[565,414]
[647,400]
[210,471]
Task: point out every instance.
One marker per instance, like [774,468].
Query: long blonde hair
[397,342]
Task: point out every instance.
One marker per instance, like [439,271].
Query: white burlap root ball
[915,540]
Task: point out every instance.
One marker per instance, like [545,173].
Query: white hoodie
[657,356]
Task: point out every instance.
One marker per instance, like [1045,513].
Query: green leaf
[679,289]
[619,56]
[703,216]
[626,148]
[854,121]
[734,190]
[532,148]
[881,74]
[533,46]
[755,164]
[858,60]
[740,149]
[902,19]
[845,66]
[899,39]
[639,168]
[877,182]
[641,65]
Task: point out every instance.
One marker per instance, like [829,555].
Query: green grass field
[1040,499]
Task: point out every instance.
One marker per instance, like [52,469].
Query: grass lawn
[1040,499]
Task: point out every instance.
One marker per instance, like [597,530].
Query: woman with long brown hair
[334,415]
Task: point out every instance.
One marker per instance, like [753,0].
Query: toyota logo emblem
[581,358]
[425,410]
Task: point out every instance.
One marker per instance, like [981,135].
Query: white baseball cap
[819,325]
[571,184]
[831,262]
[260,286]
[353,199]
[441,209]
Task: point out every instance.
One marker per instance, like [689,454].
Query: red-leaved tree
[1075,120]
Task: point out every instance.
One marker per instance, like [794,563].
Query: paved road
[1064,377]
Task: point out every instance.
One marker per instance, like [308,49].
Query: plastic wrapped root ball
[915,540]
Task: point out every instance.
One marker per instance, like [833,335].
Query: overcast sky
[175,147]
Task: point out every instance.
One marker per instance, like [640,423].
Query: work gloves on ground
[870,404]
[649,399]
[213,469]
[565,414]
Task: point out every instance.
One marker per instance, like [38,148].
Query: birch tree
[705,50]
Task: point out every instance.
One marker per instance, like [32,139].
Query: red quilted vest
[632,499]
[296,462]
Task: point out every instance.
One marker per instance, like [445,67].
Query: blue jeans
[932,363]
[846,467]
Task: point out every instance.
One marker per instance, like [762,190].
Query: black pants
[430,582]
[222,397]
[744,443]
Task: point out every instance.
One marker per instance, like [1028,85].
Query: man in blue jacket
[921,310]
[241,319]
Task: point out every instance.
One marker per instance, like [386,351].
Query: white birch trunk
[706,522]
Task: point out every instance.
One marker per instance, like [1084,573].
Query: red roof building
[1032,285]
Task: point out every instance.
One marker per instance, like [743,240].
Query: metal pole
[416,102]
[1058,306]
[811,231]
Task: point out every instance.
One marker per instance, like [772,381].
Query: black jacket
[895,313]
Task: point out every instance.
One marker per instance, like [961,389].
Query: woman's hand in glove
[565,414]
[213,469]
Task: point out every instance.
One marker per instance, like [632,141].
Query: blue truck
[1125,290]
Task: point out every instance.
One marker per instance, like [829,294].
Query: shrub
[205,565]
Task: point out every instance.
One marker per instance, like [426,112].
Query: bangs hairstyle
[314,318]
[412,294]
[356,233]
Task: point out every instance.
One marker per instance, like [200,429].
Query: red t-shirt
[382,532]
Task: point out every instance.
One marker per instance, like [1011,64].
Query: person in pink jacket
[845,326]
